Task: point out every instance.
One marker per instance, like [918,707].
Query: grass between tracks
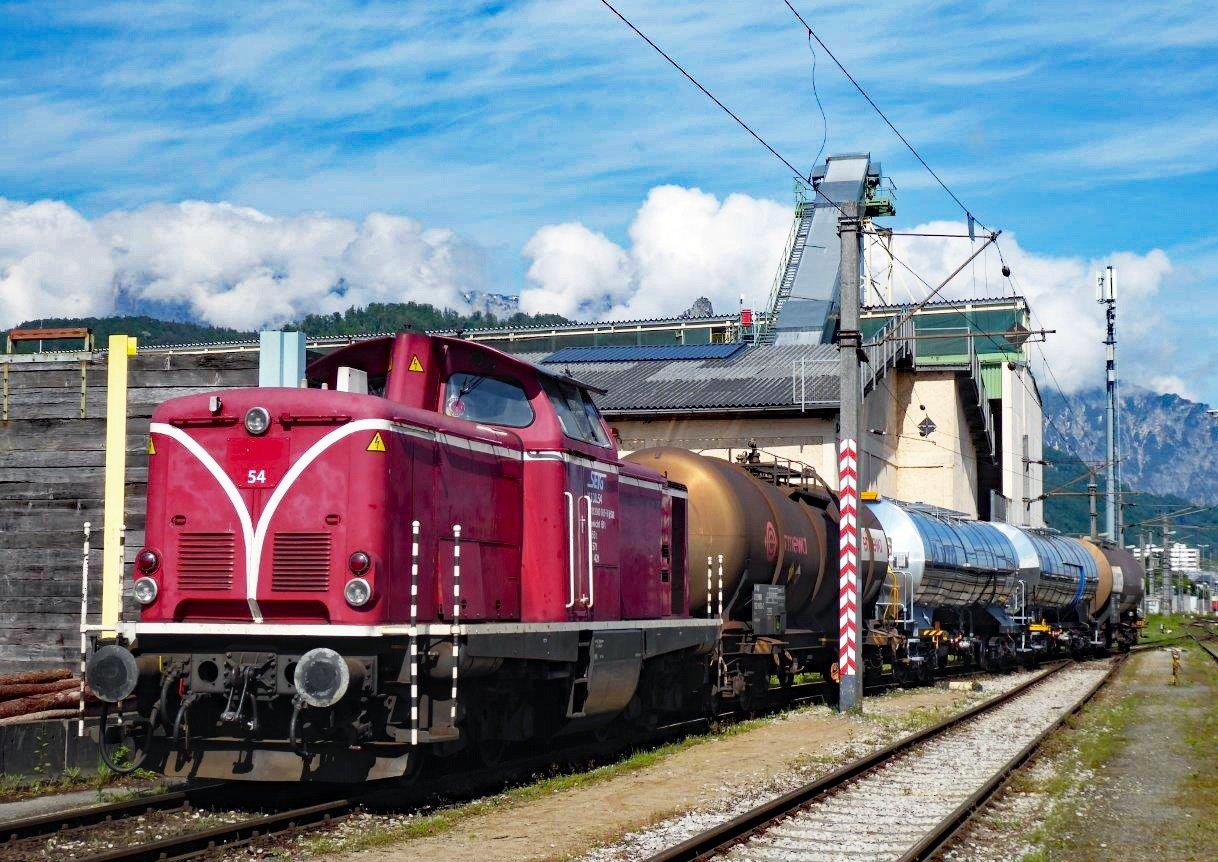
[445,818]
[1161,627]
[109,785]
[1085,743]
[1099,736]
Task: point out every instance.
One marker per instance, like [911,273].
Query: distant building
[952,413]
[1184,558]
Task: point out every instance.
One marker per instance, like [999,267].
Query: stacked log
[31,695]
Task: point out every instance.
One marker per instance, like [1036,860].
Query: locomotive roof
[362,350]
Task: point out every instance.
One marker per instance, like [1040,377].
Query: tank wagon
[436,547]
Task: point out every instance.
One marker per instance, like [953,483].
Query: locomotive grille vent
[301,562]
[206,561]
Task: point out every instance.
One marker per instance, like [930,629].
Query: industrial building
[952,414]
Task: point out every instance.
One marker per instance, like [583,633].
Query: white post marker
[710,609]
[721,585]
[122,566]
[84,621]
[456,616]
[414,633]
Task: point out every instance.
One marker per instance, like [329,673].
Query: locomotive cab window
[577,414]
[479,398]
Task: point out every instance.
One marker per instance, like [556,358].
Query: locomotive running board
[133,630]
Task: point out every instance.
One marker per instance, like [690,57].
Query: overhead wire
[824,138]
[813,34]
[806,180]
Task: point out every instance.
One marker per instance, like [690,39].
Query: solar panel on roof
[644,353]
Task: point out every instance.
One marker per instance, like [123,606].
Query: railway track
[319,813]
[906,801]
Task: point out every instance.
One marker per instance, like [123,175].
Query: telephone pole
[849,347]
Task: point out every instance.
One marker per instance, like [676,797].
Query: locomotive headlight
[257,420]
[145,591]
[357,592]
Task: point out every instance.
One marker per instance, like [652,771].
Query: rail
[66,821]
[724,835]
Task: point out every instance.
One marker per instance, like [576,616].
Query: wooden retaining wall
[52,463]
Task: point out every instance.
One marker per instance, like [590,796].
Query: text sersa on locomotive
[311,552]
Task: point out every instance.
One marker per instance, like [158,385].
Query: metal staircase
[792,255]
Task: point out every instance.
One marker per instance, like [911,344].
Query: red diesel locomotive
[425,547]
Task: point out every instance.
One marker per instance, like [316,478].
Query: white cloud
[576,272]
[1061,294]
[228,265]
[684,243]
[51,263]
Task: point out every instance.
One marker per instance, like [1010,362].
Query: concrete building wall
[1022,427]
[940,469]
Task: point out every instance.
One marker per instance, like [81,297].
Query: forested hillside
[374,318]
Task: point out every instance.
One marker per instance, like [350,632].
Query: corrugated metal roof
[645,353]
[765,376]
[939,303]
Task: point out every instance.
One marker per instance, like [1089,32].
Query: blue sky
[1082,129]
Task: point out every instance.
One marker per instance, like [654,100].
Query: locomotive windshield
[578,415]
[479,398]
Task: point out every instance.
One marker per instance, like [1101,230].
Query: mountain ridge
[1168,442]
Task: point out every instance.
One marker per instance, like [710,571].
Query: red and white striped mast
[849,343]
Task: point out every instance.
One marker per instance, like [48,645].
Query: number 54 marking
[256,477]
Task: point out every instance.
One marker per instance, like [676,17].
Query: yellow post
[121,346]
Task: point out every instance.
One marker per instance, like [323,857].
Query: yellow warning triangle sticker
[151,446]
[377,444]
[415,364]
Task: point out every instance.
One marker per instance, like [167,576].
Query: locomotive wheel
[414,765]
[492,752]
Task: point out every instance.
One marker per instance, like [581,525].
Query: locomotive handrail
[591,584]
[570,549]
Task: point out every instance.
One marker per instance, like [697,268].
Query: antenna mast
[1105,293]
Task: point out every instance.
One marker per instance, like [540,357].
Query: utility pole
[1105,293]
[849,347]
[1165,570]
